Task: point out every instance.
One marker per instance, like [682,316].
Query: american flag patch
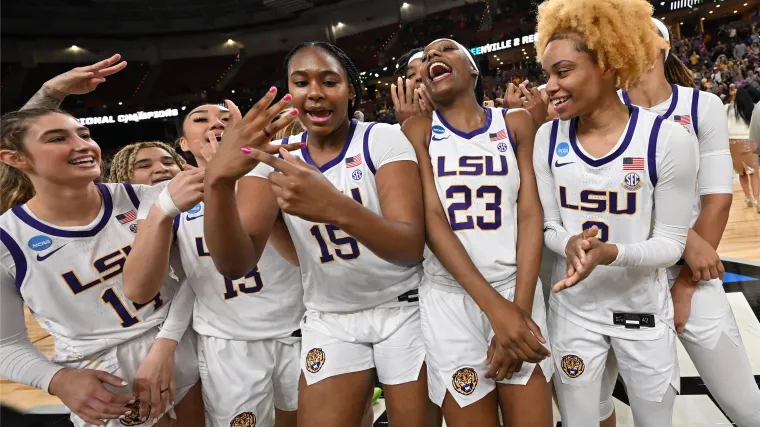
[633,163]
[352,162]
[127,217]
[682,120]
[498,136]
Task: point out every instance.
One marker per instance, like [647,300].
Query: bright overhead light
[75,47]
[233,91]
[405,4]
[340,24]
[377,75]
[681,23]
[119,103]
[711,11]
[230,41]
[736,11]
[385,69]
[717,5]
[703,19]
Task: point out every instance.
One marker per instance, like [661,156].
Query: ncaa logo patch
[315,359]
[502,147]
[464,381]
[133,417]
[195,209]
[562,149]
[572,365]
[40,243]
[438,130]
[356,174]
[245,419]
[632,182]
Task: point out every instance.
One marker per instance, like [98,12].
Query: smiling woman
[145,163]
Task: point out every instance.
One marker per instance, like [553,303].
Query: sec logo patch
[632,182]
[464,381]
[315,359]
[572,365]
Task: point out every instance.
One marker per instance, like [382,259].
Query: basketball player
[230,333]
[703,317]
[64,243]
[410,97]
[147,163]
[616,185]
[352,203]
[477,162]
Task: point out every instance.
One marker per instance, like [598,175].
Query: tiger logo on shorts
[246,419]
[133,417]
[572,365]
[315,359]
[464,381]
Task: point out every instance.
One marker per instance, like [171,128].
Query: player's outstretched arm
[77,81]
[514,330]
[530,219]
[236,237]
[147,265]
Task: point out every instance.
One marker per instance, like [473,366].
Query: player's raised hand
[533,102]
[153,384]
[512,97]
[405,100]
[84,393]
[186,189]
[300,188]
[209,146]
[427,106]
[517,336]
[253,131]
[82,80]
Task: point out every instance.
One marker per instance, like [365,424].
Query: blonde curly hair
[123,162]
[618,34]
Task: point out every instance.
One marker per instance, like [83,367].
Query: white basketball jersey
[616,194]
[477,179]
[71,277]
[266,303]
[683,109]
[340,274]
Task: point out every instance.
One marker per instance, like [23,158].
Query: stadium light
[75,48]
[119,102]
[404,5]
[232,91]
[184,108]
[377,75]
[736,11]
[339,25]
[385,69]
[230,41]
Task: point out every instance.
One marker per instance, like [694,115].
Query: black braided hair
[403,62]
[348,66]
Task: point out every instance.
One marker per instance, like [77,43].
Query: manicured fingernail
[303,144]
[155,420]
[132,401]
[287,97]
[246,150]
[122,417]
[294,112]
[127,412]
[172,402]
[124,383]
[272,89]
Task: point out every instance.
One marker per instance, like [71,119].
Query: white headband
[664,33]
[419,55]
[464,49]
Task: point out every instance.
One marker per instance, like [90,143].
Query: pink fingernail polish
[246,150]
[303,144]
[294,112]
[287,97]
[272,89]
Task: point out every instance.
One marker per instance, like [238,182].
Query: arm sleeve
[180,314]
[387,144]
[673,199]
[555,235]
[716,174]
[148,198]
[20,360]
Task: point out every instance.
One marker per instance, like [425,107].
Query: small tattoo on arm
[45,98]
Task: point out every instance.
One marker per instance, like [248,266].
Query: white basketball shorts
[124,360]
[243,381]
[457,336]
[387,338]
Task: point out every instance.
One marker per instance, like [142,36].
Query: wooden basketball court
[741,244]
